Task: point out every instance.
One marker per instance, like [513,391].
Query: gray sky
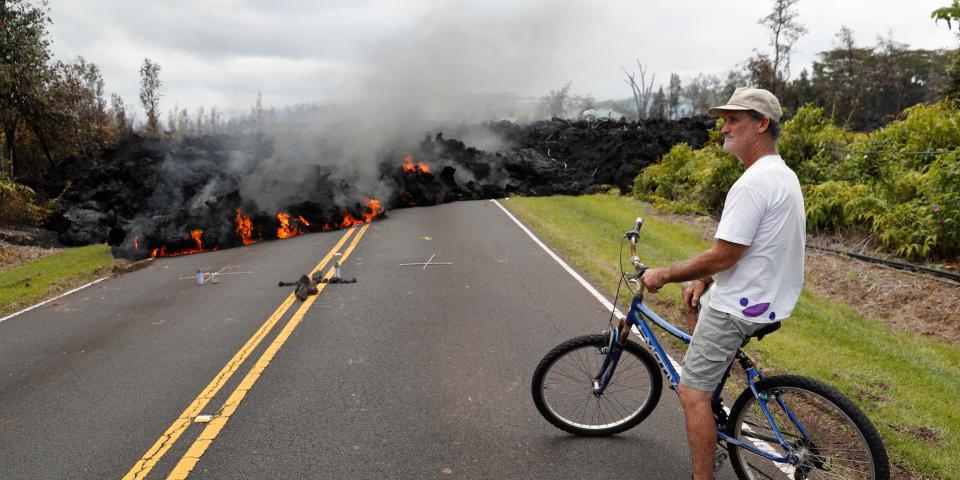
[220,52]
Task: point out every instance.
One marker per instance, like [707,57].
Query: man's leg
[715,341]
[701,430]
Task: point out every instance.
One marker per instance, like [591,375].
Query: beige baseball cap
[758,99]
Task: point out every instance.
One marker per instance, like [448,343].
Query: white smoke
[460,65]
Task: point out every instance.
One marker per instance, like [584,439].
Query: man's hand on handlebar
[654,279]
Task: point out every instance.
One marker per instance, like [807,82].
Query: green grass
[33,281]
[904,382]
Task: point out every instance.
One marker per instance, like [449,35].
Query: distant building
[601,114]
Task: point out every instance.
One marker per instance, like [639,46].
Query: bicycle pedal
[718,460]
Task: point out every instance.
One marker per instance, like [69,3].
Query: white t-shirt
[763,210]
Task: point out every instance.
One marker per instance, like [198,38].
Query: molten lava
[285,230]
[374,209]
[244,228]
[349,221]
[410,167]
[197,236]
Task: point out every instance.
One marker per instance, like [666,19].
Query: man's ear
[764,125]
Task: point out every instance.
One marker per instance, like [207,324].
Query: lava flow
[410,167]
[197,236]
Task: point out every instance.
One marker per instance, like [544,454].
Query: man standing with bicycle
[753,274]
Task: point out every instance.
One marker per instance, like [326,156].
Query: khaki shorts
[716,339]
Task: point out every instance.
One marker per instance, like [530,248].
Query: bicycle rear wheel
[563,387]
[841,443]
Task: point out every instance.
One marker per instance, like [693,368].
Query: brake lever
[640,271]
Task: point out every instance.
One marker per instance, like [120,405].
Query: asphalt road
[408,373]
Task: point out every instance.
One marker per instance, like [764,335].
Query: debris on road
[306,286]
[428,262]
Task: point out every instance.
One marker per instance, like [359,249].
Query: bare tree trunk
[631,80]
[12,148]
[44,145]
[641,92]
[645,90]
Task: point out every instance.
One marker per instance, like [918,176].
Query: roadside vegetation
[904,382]
[18,203]
[33,281]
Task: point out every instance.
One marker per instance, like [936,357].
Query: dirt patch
[872,394]
[903,301]
[920,432]
[22,244]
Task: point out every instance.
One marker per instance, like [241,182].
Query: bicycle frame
[637,317]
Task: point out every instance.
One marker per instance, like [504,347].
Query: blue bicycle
[783,426]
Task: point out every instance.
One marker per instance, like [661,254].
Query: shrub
[17,203]
[943,197]
[910,229]
[689,181]
[812,145]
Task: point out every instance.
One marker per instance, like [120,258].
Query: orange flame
[244,228]
[303,220]
[197,236]
[349,220]
[285,231]
[374,207]
[410,167]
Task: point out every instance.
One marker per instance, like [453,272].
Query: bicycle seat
[764,331]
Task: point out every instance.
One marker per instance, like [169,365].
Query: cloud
[302,51]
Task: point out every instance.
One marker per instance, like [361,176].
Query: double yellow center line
[150,459]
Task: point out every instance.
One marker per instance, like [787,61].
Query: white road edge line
[54,298]
[590,288]
[606,304]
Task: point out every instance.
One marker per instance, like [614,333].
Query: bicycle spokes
[818,437]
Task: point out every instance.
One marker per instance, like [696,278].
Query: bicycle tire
[831,420]
[565,376]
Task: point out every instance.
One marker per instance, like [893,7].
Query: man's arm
[718,258]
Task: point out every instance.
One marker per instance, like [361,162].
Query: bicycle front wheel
[832,438]
[563,387]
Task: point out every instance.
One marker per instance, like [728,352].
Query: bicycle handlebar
[633,236]
[635,233]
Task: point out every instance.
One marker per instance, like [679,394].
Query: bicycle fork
[612,352]
[793,455]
